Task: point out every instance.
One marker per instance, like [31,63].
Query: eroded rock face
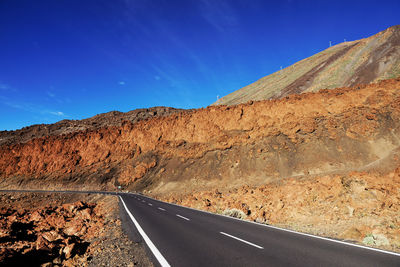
[51,234]
[313,133]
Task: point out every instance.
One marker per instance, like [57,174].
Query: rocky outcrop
[64,229]
[346,64]
[53,234]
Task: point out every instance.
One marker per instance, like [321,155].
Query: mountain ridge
[344,65]
[108,119]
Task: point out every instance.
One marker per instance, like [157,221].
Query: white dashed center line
[161,209]
[244,241]
[180,216]
[150,204]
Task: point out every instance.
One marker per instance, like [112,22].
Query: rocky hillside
[347,64]
[331,131]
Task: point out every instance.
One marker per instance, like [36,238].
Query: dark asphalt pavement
[187,237]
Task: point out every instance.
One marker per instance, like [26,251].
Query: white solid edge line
[163,262]
[286,230]
[161,209]
[180,216]
[244,241]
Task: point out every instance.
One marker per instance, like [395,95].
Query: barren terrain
[64,230]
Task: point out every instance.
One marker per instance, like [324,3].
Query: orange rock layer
[330,131]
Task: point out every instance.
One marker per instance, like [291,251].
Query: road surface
[181,236]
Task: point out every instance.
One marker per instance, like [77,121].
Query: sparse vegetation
[234,213]
[375,240]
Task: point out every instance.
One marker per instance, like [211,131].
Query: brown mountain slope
[347,64]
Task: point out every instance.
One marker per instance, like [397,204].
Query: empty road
[179,236]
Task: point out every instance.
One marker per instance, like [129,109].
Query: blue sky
[75,59]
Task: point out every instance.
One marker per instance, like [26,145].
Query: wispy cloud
[219,14]
[169,67]
[6,87]
[179,87]
[57,113]
[53,97]
[171,78]
[31,108]
[51,94]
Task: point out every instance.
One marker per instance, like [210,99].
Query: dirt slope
[347,64]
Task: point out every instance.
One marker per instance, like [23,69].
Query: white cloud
[28,107]
[121,83]
[57,113]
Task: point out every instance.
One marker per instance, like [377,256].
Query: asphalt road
[185,237]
